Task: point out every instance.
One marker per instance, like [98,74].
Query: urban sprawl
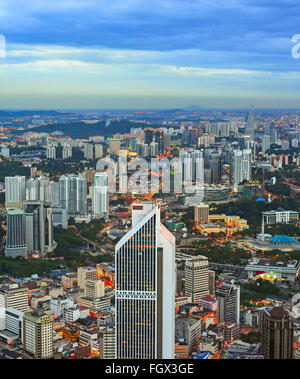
[94,266]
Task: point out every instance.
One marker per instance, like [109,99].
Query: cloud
[45,65]
[198,71]
[162,46]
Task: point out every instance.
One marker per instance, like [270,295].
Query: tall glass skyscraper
[251,124]
[15,239]
[145,287]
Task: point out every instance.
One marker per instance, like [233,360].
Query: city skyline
[131,55]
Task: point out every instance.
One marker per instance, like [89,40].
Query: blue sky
[149,54]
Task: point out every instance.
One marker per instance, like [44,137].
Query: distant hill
[83,130]
[193,108]
[31,113]
[172,110]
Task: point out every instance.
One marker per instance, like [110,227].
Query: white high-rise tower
[145,287]
[100,201]
[14,191]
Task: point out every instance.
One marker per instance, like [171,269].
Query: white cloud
[199,71]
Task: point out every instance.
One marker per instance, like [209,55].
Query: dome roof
[282,239]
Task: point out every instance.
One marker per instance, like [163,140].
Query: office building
[86,273]
[201,213]
[14,321]
[16,298]
[196,277]
[241,166]
[94,289]
[231,331]
[250,124]
[188,329]
[73,194]
[15,235]
[212,282]
[277,334]
[149,135]
[145,287]
[15,192]
[106,342]
[100,200]
[159,139]
[38,334]
[39,227]
[229,303]
[280,216]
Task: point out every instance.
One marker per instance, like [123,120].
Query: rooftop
[282,239]
[208,298]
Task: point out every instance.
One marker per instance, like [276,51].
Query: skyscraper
[38,189]
[38,334]
[100,201]
[73,194]
[14,191]
[196,277]
[212,282]
[159,138]
[266,143]
[277,334]
[54,193]
[39,227]
[15,236]
[148,135]
[51,152]
[67,152]
[114,146]
[229,303]
[250,124]
[98,151]
[241,166]
[145,287]
[88,151]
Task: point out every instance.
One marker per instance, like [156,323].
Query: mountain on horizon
[193,108]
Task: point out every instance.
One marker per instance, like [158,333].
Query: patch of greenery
[12,168]
[21,267]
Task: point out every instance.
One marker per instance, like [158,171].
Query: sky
[64,54]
